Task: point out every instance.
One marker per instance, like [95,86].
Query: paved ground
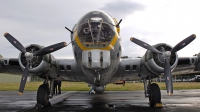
[119,101]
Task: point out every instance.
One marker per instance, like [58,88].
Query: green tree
[124,57]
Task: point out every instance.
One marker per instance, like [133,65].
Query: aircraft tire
[42,95]
[154,95]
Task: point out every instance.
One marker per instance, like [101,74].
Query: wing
[128,69]
[139,68]
[187,65]
[10,65]
[69,70]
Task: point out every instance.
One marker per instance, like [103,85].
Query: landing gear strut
[92,91]
[98,90]
[152,91]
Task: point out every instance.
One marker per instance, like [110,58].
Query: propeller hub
[166,55]
[29,56]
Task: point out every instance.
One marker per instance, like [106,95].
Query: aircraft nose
[96,59]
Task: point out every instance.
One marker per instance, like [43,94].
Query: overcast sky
[152,21]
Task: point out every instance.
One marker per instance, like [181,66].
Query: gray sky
[152,21]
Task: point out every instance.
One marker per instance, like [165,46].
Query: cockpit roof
[106,18]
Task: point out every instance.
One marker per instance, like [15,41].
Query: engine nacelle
[197,64]
[155,63]
[39,64]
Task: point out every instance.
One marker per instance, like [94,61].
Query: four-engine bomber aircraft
[97,51]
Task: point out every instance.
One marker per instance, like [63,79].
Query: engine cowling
[154,62]
[39,64]
[197,64]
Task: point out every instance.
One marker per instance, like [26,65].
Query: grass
[81,86]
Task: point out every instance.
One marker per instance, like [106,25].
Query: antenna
[119,23]
[69,30]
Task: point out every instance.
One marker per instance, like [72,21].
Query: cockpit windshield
[96,30]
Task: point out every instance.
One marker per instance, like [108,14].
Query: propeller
[166,56]
[15,42]
[183,43]
[23,79]
[168,77]
[145,45]
[50,49]
[29,55]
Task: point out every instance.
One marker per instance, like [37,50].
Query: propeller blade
[168,78]
[15,42]
[50,49]
[183,43]
[23,79]
[144,45]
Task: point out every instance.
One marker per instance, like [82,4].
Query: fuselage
[96,46]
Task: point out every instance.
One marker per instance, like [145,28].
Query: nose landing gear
[92,91]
